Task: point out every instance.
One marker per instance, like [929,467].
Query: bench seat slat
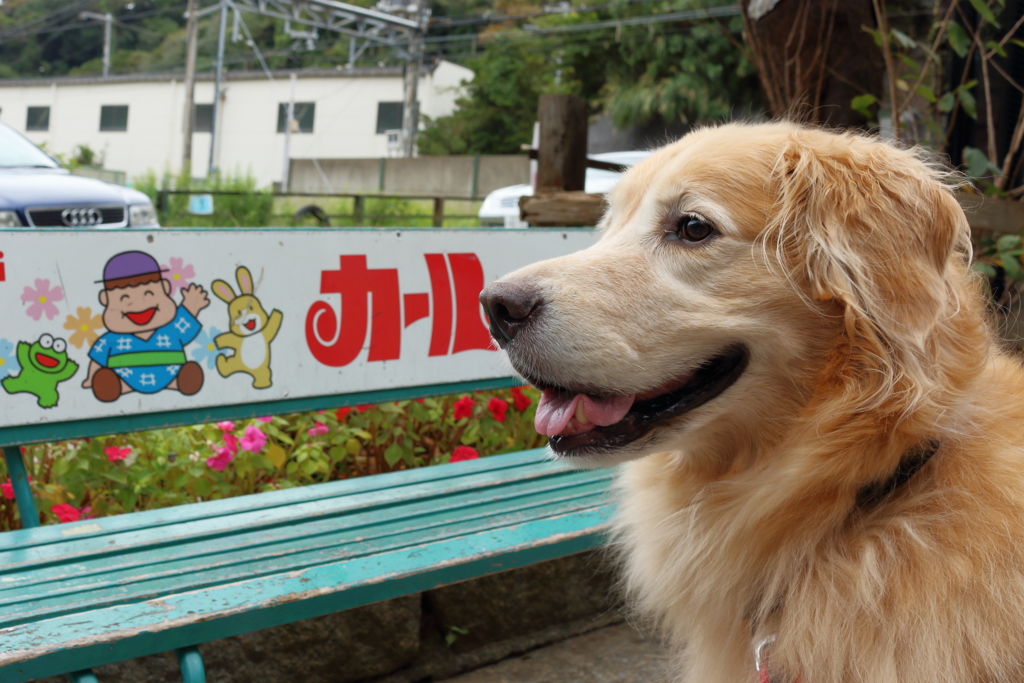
[111,634]
[165,535]
[18,541]
[361,524]
[159,577]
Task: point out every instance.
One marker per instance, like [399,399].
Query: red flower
[520,400]
[66,513]
[464,453]
[341,413]
[114,453]
[498,408]
[8,490]
[364,408]
[463,408]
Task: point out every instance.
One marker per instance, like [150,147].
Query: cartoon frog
[44,365]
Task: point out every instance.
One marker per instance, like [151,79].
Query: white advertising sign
[107,323]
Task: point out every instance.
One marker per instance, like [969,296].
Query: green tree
[497,114]
[670,72]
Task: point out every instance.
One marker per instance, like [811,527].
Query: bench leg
[86,676]
[22,490]
[191,662]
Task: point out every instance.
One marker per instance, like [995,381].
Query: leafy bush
[249,207]
[74,480]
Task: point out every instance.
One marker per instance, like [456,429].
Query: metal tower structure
[364,27]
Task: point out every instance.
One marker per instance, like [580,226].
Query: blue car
[36,192]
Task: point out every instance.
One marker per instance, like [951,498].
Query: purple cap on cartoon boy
[130,264]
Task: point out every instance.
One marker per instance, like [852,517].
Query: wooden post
[358,210]
[562,153]
[438,212]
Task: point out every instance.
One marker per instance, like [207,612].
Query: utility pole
[289,122]
[191,31]
[411,109]
[108,20]
[216,86]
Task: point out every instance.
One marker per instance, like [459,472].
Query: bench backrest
[276,320]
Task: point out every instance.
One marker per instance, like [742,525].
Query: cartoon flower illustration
[8,358]
[41,299]
[207,351]
[178,274]
[463,408]
[464,453]
[83,327]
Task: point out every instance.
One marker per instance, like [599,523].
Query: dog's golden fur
[843,265]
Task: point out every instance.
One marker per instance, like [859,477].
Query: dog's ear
[875,229]
[869,225]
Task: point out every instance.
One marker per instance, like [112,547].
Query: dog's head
[738,271]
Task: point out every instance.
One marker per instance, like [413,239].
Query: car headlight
[142,216]
[9,219]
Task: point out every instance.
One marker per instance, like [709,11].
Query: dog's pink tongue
[557,408]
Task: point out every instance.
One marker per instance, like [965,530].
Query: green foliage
[248,207]
[148,470]
[497,114]
[1003,252]
[688,74]
[639,74]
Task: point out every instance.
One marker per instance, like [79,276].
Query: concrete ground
[613,654]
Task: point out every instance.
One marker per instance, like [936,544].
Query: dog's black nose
[509,306]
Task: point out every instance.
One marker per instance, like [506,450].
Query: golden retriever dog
[779,336]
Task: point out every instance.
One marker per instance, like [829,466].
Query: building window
[304,112]
[114,117]
[202,120]
[38,118]
[389,116]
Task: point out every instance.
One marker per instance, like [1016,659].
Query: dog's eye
[692,229]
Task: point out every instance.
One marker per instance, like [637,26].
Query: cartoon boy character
[144,347]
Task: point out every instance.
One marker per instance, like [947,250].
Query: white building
[136,121]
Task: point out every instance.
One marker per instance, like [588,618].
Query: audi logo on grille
[77,217]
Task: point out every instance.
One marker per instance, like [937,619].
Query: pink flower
[42,298]
[267,418]
[253,439]
[498,408]
[66,513]
[178,274]
[463,408]
[226,426]
[520,400]
[221,460]
[464,453]
[318,429]
[231,442]
[7,489]
[114,453]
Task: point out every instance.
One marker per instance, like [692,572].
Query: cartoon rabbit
[252,330]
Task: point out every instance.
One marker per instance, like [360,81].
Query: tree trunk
[814,57]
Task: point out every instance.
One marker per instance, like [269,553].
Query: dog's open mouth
[579,424]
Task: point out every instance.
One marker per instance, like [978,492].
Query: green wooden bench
[76,596]
[81,595]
